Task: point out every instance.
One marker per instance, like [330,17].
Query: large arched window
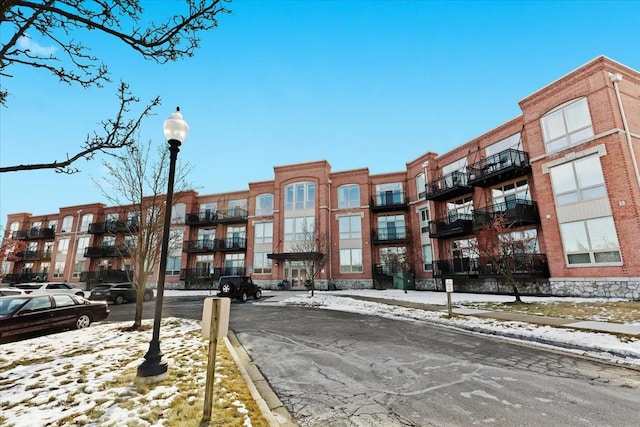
[567,124]
[300,195]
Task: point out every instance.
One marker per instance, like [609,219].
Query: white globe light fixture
[175,128]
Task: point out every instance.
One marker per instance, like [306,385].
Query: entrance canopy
[297,256]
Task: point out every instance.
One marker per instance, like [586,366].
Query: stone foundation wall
[627,288]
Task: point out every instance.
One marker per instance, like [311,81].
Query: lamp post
[154,369]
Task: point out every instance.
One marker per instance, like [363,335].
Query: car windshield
[9,305]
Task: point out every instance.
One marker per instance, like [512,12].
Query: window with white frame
[591,241]
[14,226]
[48,248]
[351,260]
[421,183]
[236,236]
[300,195]
[392,259]
[112,216]
[36,224]
[391,227]
[458,165]
[53,224]
[234,263]
[58,269]
[349,196]
[427,258]
[178,213]
[298,228]
[264,204]
[108,241]
[350,227]
[423,215]
[566,125]
[83,242]
[261,263]
[207,209]
[173,266]
[578,181]
[263,232]
[237,204]
[63,246]
[133,218]
[512,141]
[505,196]
[460,209]
[389,194]
[86,220]
[67,223]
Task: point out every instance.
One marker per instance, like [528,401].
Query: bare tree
[11,250]
[137,182]
[313,247]
[504,250]
[44,35]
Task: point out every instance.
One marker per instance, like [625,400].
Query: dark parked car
[24,314]
[118,292]
[239,287]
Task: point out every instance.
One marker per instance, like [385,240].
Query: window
[67,223]
[421,185]
[391,227]
[349,196]
[237,204]
[86,220]
[427,258]
[393,260]
[264,204]
[173,266]
[389,194]
[78,266]
[83,242]
[14,226]
[133,218]
[234,264]
[108,241]
[299,196]
[350,260]
[261,264]
[208,209]
[53,224]
[350,227]
[458,165]
[58,269]
[460,209]
[423,214]
[63,246]
[566,125]
[296,229]
[264,232]
[512,141]
[204,266]
[592,241]
[577,181]
[178,213]
[506,195]
[112,217]
[236,237]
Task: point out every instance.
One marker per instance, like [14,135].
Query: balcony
[109,251]
[37,255]
[517,213]
[503,166]
[526,266]
[114,227]
[104,276]
[387,235]
[454,225]
[449,186]
[215,245]
[34,234]
[228,216]
[389,201]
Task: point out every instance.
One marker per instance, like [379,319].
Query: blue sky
[359,83]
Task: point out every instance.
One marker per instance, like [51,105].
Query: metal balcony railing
[108,251]
[114,227]
[37,255]
[214,245]
[451,185]
[507,164]
[396,234]
[389,200]
[517,212]
[34,234]
[524,266]
[453,225]
[104,276]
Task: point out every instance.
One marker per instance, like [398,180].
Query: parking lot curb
[272,408]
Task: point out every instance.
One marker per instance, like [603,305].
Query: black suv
[239,287]
[118,292]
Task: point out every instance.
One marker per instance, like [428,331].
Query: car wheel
[258,294]
[244,297]
[119,299]
[146,296]
[83,321]
[226,288]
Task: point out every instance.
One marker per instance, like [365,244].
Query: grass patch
[609,311]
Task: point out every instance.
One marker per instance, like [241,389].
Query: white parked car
[49,288]
[10,292]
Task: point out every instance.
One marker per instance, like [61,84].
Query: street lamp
[154,369]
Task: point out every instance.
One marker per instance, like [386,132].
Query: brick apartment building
[564,174]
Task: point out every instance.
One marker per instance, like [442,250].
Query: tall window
[234,263]
[86,220]
[178,213]
[264,232]
[460,209]
[53,224]
[58,269]
[296,229]
[173,266]
[423,214]
[67,223]
[264,204]
[350,227]
[512,141]
[391,227]
[300,195]
[506,195]
[592,241]
[577,181]
[63,246]
[350,260]
[427,258]
[261,264]
[349,196]
[421,183]
[567,124]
